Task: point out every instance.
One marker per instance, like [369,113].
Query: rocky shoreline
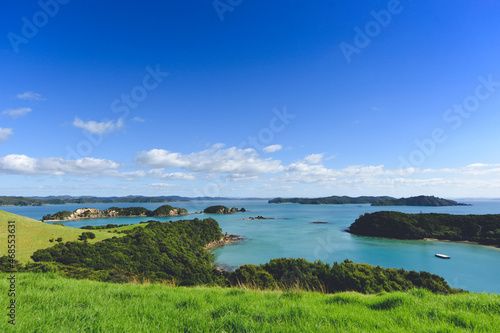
[223,241]
[94,213]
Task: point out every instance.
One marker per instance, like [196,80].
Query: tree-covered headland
[483,229]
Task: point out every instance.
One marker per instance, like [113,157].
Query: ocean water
[292,234]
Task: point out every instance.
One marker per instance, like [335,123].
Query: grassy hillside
[32,235]
[50,303]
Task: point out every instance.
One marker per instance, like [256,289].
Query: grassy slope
[32,235]
[49,303]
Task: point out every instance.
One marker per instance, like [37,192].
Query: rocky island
[94,213]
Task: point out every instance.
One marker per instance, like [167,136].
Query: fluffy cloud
[31,96]
[5,133]
[25,165]
[313,158]
[16,113]
[95,127]
[272,148]
[214,160]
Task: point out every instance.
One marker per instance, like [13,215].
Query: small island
[258,218]
[479,229]
[94,213]
[222,210]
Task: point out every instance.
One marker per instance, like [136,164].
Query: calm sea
[292,234]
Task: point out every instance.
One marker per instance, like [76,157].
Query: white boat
[442,256]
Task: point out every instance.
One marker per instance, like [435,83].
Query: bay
[292,234]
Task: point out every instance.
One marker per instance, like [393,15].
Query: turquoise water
[291,234]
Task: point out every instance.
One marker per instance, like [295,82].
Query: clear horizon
[250,99]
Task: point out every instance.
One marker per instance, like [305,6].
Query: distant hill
[422,200]
[333,200]
[60,200]
[374,201]
[66,199]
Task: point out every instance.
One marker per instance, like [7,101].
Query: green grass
[50,303]
[32,235]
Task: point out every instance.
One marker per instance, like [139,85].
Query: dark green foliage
[217,210]
[86,235]
[57,216]
[19,201]
[422,200]
[346,276]
[159,251]
[333,200]
[375,201]
[101,227]
[167,210]
[9,265]
[484,229]
[128,211]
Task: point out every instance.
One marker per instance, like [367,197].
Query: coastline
[227,239]
[460,242]
[110,217]
[428,240]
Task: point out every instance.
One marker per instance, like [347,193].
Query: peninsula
[421,200]
[481,229]
[93,213]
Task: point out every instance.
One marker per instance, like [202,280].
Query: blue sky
[250,98]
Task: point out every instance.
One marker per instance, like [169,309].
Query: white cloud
[138,120]
[5,133]
[214,160]
[31,96]
[25,165]
[313,158]
[16,113]
[272,148]
[95,127]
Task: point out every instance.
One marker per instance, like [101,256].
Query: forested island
[219,209]
[92,213]
[333,200]
[483,229]
[421,200]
